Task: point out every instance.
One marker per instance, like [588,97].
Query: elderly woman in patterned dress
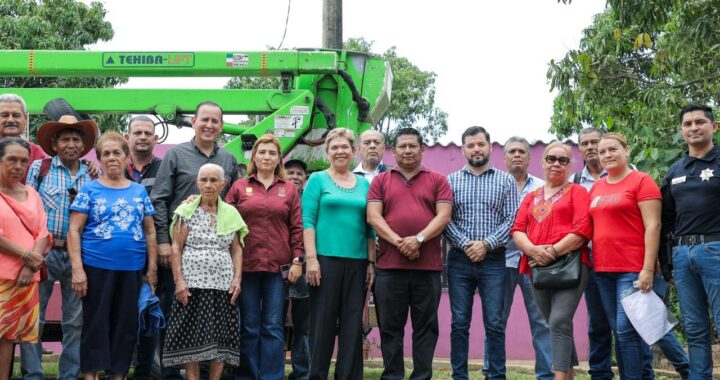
[207,268]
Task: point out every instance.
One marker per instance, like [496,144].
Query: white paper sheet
[648,314]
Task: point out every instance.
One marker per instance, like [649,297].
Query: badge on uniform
[281,192]
[248,190]
[707,174]
[678,180]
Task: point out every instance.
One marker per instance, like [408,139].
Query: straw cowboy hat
[47,132]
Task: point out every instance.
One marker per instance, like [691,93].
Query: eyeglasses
[550,159]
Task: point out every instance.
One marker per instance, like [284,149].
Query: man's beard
[478,163]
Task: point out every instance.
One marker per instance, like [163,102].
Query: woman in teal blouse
[340,254]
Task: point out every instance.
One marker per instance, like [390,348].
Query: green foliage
[56,25]
[638,64]
[413,96]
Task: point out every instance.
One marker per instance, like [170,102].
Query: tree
[637,65]
[56,25]
[413,96]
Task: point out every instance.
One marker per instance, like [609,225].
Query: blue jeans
[695,269]
[600,334]
[262,350]
[59,269]
[669,344]
[488,277]
[538,326]
[632,348]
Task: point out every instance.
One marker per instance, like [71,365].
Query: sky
[491,57]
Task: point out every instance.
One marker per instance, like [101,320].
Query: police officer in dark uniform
[691,219]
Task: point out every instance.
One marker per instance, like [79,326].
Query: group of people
[224,251]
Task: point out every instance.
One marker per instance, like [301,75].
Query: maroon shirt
[274,218]
[408,207]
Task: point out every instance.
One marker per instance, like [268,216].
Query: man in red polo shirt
[408,206]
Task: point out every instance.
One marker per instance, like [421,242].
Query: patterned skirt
[207,328]
[19,310]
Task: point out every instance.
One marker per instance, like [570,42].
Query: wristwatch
[299,260]
[420,238]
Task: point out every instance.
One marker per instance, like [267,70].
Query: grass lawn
[51,369]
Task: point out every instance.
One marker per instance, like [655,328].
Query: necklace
[340,187]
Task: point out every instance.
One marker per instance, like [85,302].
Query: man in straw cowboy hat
[57,179]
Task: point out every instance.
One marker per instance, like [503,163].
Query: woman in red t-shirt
[625,210]
[553,221]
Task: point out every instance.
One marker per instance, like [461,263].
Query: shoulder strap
[577,178]
[44,169]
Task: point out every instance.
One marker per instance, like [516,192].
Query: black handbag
[563,273]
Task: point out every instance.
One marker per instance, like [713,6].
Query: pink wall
[447,159]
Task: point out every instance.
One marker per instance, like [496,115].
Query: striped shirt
[54,192]
[175,180]
[484,207]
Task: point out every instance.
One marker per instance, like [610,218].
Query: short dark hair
[589,130]
[208,103]
[7,141]
[407,132]
[139,118]
[474,130]
[698,107]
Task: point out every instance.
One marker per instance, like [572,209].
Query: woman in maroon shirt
[270,206]
[553,221]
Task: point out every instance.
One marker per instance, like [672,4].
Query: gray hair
[137,119]
[12,98]
[589,130]
[219,169]
[517,139]
[382,135]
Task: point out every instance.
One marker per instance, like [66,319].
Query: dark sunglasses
[550,159]
[72,192]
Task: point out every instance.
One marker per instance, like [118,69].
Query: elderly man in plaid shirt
[484,206]
[57,180]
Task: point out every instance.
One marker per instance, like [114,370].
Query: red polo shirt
[274,219]
[408,207]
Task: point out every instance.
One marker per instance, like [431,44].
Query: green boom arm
[321,89]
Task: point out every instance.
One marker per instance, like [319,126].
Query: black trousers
[396,292]
[336,306]
[110,320]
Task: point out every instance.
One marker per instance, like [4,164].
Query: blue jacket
[150,316]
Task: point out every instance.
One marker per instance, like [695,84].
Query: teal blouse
[338,216]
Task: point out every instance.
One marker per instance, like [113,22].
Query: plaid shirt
[484,207]
[54,193]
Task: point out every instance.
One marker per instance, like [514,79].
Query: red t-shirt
[548,224]
[408,207]
[619,236]
[275,221]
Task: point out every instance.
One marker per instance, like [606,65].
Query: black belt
[695,239]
